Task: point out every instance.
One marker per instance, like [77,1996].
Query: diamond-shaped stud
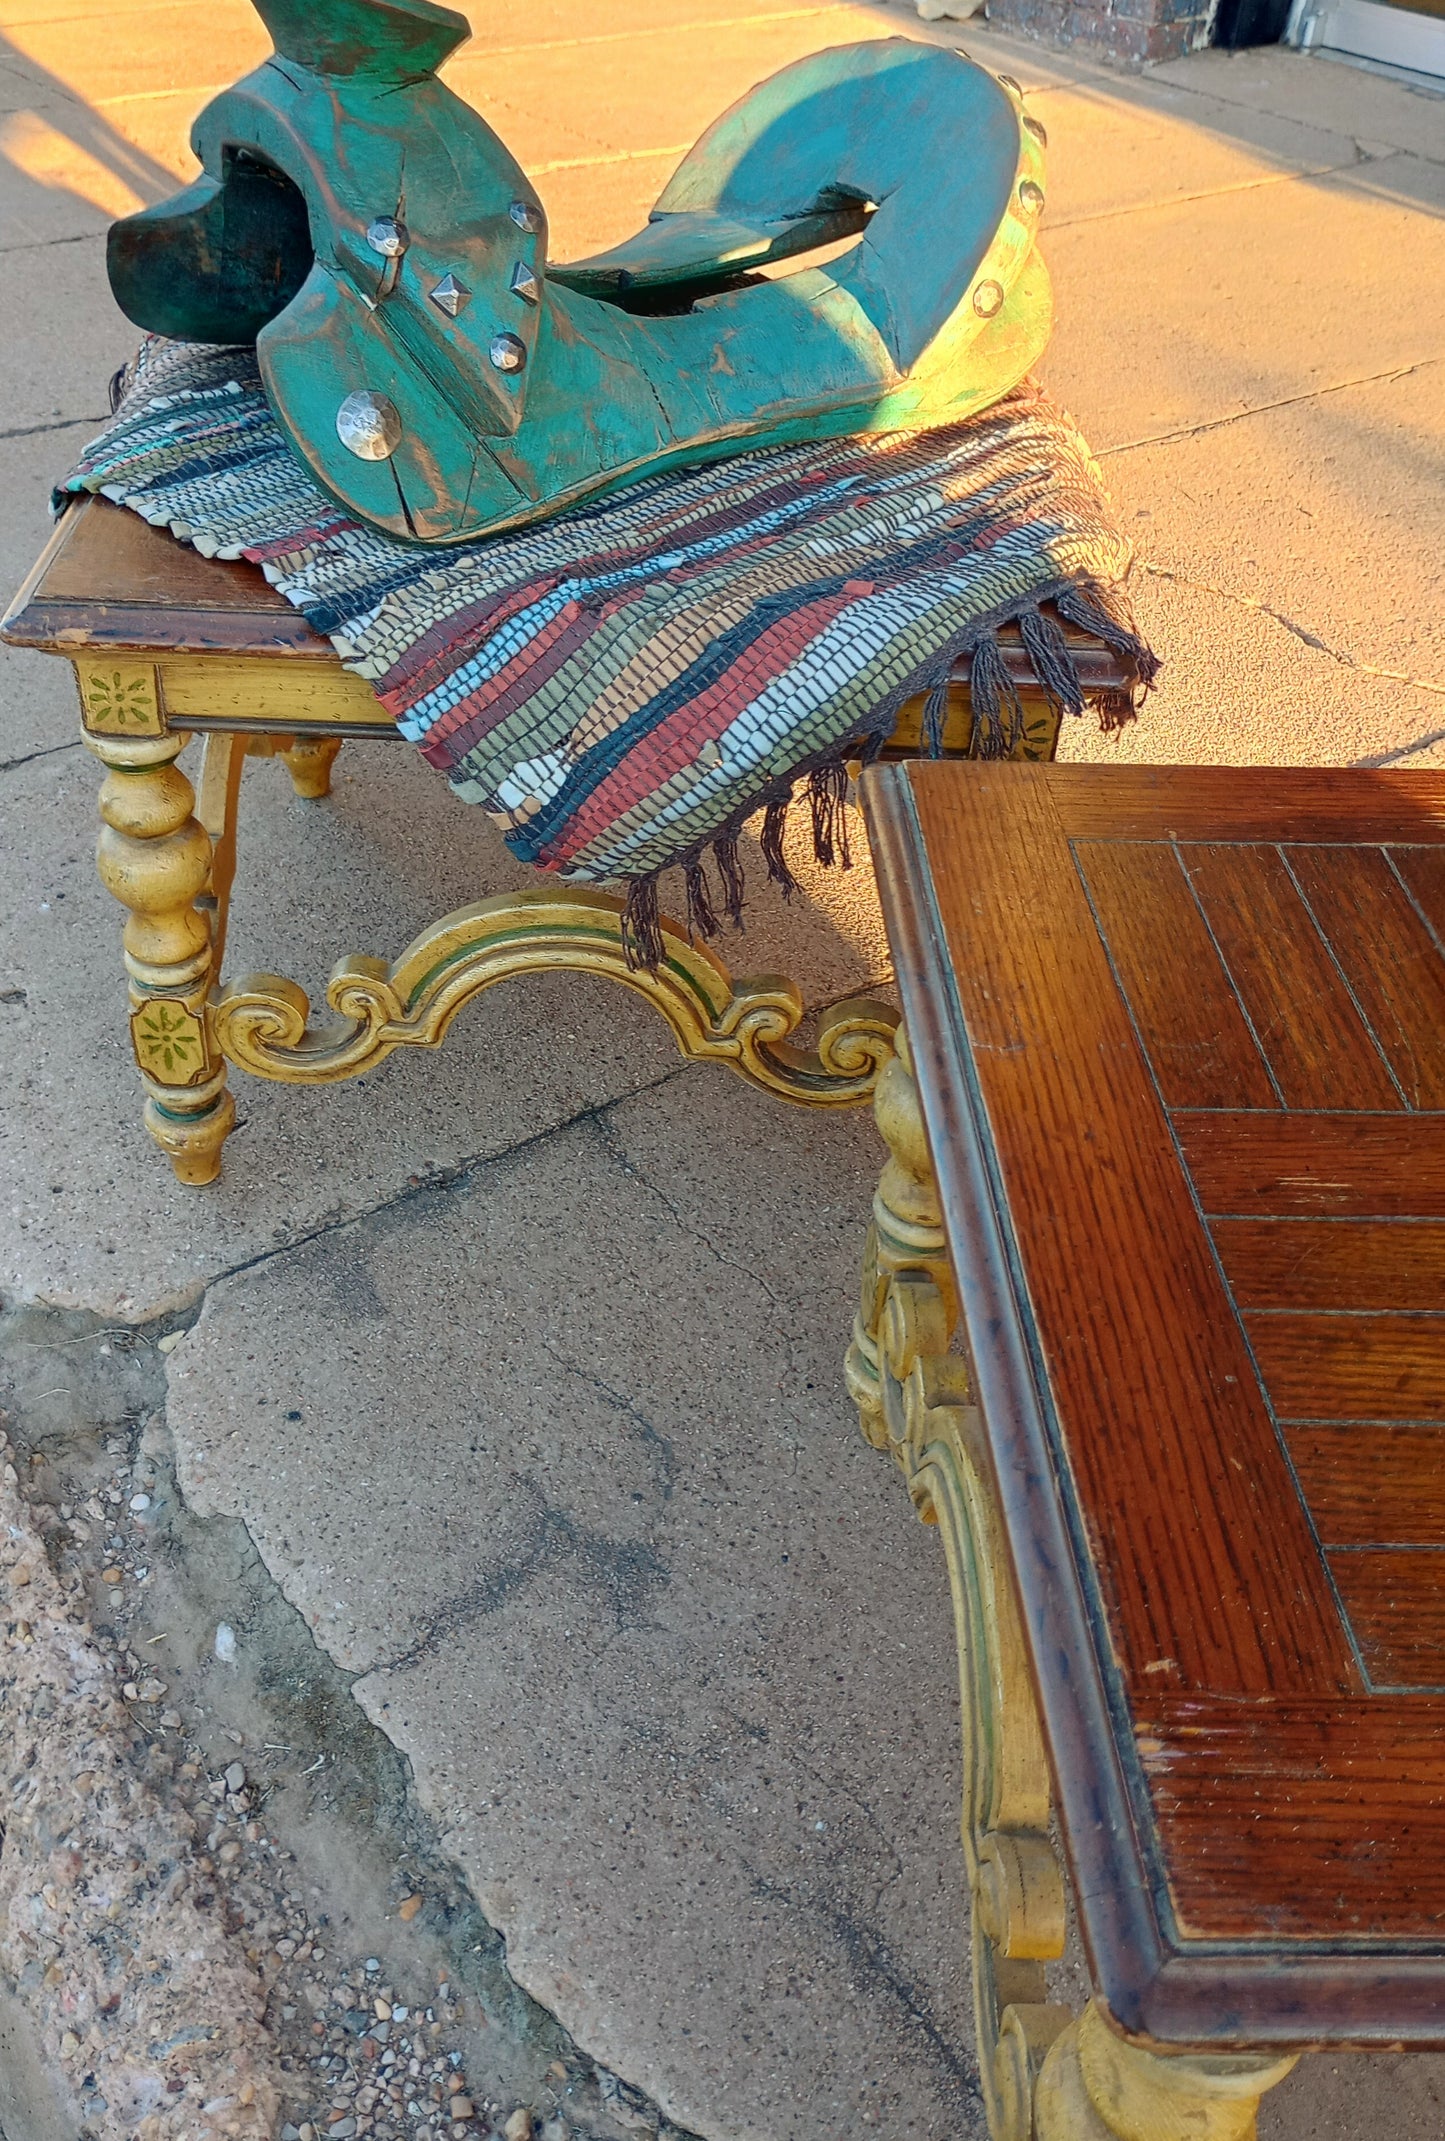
[525,216]
[508,352]
[525,284]
[450,296]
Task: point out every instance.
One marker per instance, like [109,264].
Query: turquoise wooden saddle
[442,378]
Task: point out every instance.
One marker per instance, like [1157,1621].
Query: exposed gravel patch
[220,1908]
[108,1920]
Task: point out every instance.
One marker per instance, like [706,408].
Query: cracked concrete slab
[92,1213]
[559,1461]
[1206,264]
[275,1831]
[1276,653]
[1348,100]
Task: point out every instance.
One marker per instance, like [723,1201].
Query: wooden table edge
[269,629]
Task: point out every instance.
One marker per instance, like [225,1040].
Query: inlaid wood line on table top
[1360,1353]
[1180,1346]
[1216,1021]
[1285,805]
[1392,963]
[1113,870]
[1278,1968]
[1323,1164]
[1316,1025]
[1147,1057]
[1421,870]
[1376,1335]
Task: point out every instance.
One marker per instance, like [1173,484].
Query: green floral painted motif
[167,1039]
[120,700]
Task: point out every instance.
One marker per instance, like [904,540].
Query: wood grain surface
[1187,1029]
[1327,1263]
[1372,1483]
[109,579]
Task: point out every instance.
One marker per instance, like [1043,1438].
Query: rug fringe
[775,825]
[729,862]
[1051,661]
[828,802]
[998,711]
[998,729]
[643,944]
[935,713]
[701,914]
[1092,610]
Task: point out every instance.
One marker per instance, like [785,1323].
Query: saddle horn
[385,40]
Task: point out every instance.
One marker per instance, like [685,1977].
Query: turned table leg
[308,760]
[156,859]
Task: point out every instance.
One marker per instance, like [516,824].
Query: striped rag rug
[623,685]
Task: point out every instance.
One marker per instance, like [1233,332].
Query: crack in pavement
[456,1175]
[627,1570]
[825,1786]
[1404,750]
[616,1152]
[1214,193]
[658,1446]
[59,423]
[1263,408]
[47,750]
[1309,639]
[42,245]
[1213,88]
[871,1956]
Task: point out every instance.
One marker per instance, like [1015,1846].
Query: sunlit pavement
[715,1820]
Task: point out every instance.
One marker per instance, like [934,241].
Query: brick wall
[1125,30]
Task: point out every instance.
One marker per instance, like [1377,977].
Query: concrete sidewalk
[518,1366]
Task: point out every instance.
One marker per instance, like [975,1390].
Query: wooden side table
[165,643]
[1153,1320]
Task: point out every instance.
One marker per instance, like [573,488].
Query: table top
[107,579]
[1179,1036]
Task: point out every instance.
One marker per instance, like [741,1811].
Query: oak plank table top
[1179,1037]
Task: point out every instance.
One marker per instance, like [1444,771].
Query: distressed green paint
[664,350]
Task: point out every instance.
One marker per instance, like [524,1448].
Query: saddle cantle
[443,379]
